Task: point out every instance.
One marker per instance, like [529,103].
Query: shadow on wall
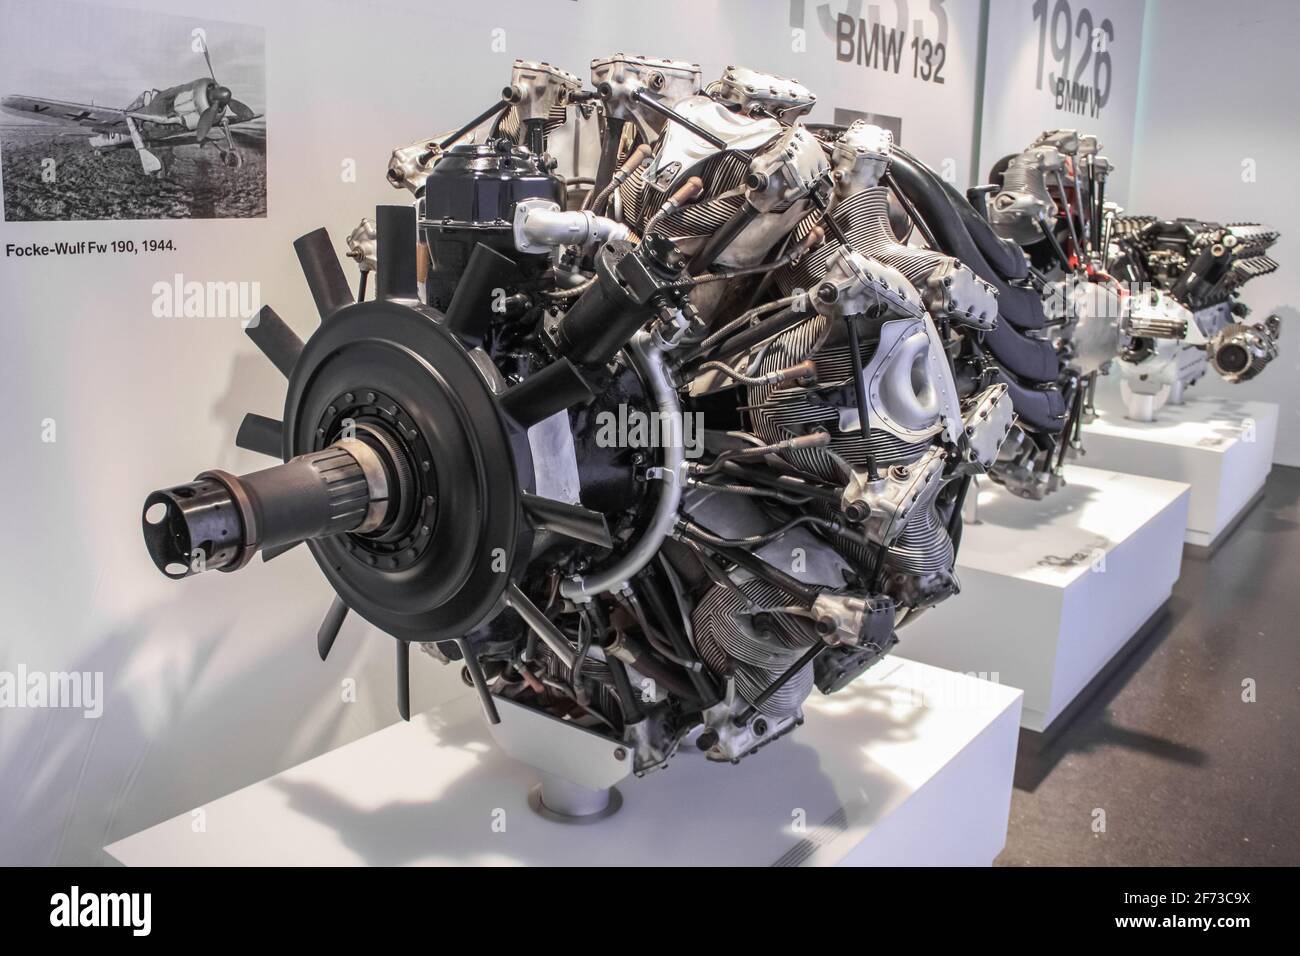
[198,700]
[73,783]
[207,684]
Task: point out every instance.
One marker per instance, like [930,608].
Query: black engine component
[632,284]
[1201,264]
[470,198]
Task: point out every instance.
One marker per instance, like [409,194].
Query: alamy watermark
[55,690]
[634,428]
[132,911]
[1071,297]
[181,298]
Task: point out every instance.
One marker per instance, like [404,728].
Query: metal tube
[859,378]
[1045,227]
[1069,216]
[669,624]
[797,486]
[717,244]
[542,226]
[541,625]
[649,360]
[807,658]
[491,111]
[608,156]
[756,566]
[1099,196]
[921,224]
[1084,227]
[478,680]
[715,141]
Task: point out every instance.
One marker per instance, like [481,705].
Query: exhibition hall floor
[1166,754]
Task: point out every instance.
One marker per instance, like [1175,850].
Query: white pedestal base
[1053,589]
[908,765]
[1221,447]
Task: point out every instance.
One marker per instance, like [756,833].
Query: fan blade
[278,342]
[404,679]
[572,521]
[205,122]
[270,554]
[470,309]
[553,389]
[262,435]
[207,58]
[329,628]
[395,253]
[241,112]
[325,278]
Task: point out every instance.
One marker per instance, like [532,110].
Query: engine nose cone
[219,95]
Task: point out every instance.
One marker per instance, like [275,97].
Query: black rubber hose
[1004,257]
[1021,306]
[915,182]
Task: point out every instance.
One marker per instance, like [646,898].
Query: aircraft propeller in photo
[183,115]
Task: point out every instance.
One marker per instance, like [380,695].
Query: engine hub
[393,372]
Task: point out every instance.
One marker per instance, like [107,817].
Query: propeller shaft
[218,521]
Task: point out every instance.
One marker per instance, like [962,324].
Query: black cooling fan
[405,462]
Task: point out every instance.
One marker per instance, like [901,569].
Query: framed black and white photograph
[121,114]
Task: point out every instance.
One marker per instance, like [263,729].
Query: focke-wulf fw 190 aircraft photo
[183,115]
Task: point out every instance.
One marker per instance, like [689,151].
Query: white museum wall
[213,683]
[1033,44]
[1216,139]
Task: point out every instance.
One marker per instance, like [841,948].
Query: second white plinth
[1053,589]
[1221,447]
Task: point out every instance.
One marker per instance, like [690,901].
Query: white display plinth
[908,765]
[1053,589]
[1221,447]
